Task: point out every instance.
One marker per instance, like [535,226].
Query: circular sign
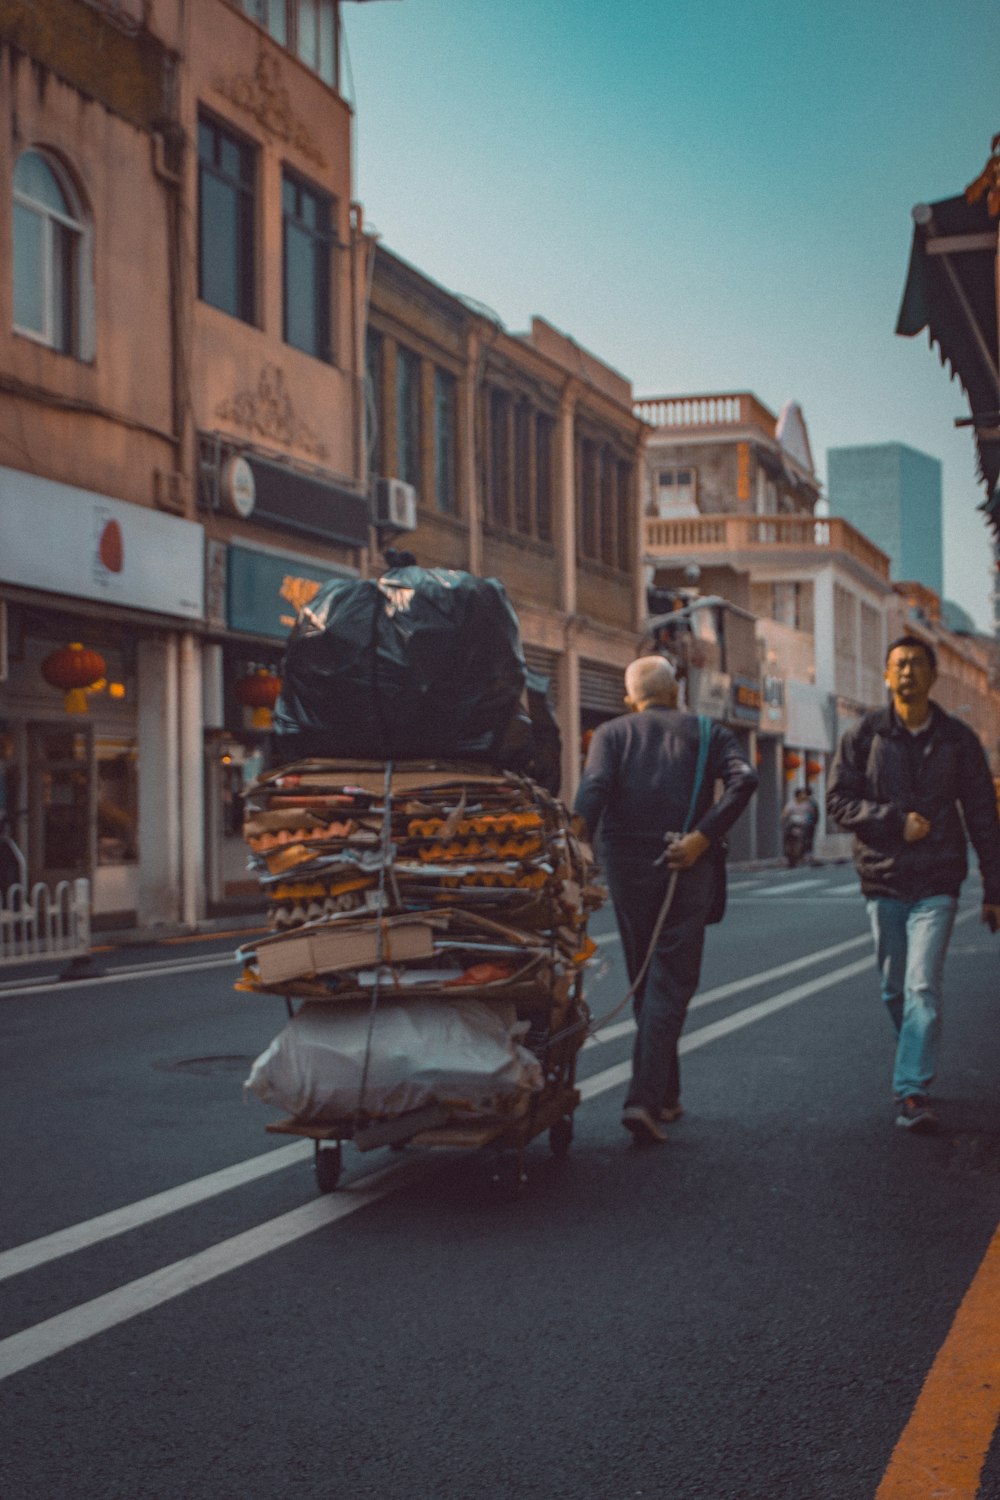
[239,492]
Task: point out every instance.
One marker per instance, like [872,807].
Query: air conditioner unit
[395,504]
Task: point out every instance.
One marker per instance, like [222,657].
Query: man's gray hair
[650,677]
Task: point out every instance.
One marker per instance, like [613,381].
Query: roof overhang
[951,290]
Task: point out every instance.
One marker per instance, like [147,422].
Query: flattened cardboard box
[326,950]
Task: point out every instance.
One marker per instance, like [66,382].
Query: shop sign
[266,590]
[747,700]
[78,543]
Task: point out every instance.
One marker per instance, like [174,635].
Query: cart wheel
[509,1175]
[327,1167]
[560,1136]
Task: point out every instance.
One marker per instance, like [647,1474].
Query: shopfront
[255,593]
[94,594]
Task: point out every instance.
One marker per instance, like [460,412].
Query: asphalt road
[748,1312]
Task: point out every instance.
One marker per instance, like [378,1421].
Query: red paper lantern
[259,691]
[792,760]
[813,768]
[74,668]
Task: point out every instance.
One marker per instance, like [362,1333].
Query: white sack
[460,1053]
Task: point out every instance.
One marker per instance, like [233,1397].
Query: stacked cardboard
[420,881]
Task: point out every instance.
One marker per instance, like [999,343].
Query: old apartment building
[522,455]
[181,440]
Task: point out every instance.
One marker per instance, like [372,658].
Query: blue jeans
[911,940]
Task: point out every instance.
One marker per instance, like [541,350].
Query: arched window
[48,242]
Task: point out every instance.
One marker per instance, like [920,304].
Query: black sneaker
[915,1113]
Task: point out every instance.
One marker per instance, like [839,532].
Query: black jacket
[640,774]
[881,772]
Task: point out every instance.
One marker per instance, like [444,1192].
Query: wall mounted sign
[266,590]
[78,543]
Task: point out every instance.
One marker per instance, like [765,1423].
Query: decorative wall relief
[265,97]
[268,413]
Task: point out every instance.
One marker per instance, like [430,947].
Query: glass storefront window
[117,801]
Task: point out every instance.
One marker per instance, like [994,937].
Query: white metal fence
[43,923]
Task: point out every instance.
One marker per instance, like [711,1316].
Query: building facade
[181,446]
[209,374]
[892,494]
[754,532]
[522,455]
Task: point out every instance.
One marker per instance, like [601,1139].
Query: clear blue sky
[708,194]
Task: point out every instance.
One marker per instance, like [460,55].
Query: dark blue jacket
[640,774]
[881,772]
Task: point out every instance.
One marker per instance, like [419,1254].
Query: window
[445,488]
[375,400]
[786,602]
[306,242]
[522,468]
[306,27]
[499,475]
[517,472]
[675,493]
[589,499]
[608,516]
[408,416]
[544,438]
[117,802]
[226,181]
[48,241]
[623,503]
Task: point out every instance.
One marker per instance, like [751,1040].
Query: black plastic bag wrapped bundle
[421,663]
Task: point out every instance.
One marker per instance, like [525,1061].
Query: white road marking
[118,976]
[134,1215]
[810,883]
[22,1350]
[621,1072]
[738,986]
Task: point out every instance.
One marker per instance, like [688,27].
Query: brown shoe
[637,1119]
[671,1113]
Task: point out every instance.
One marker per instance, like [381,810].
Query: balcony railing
[714,534]
[733,409]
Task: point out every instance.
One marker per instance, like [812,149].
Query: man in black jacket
[902,782]
[640,774]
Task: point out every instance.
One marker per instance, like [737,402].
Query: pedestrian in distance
[799,817]
[658,820]
[909,781]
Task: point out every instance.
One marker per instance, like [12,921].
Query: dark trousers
[638,889]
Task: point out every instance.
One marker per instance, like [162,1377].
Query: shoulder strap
[704,734]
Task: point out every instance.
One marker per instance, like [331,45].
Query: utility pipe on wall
[191,781]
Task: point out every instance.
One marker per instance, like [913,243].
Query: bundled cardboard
[420,883]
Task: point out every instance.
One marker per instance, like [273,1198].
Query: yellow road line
[941,1453]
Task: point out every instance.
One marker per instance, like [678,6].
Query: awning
[951,291]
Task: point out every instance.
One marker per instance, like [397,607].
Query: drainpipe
[192,781]
[569,687]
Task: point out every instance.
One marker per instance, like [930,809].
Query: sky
[710,195]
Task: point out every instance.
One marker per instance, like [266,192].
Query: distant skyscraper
[893,494]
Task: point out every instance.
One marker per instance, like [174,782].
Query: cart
[550,1109]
